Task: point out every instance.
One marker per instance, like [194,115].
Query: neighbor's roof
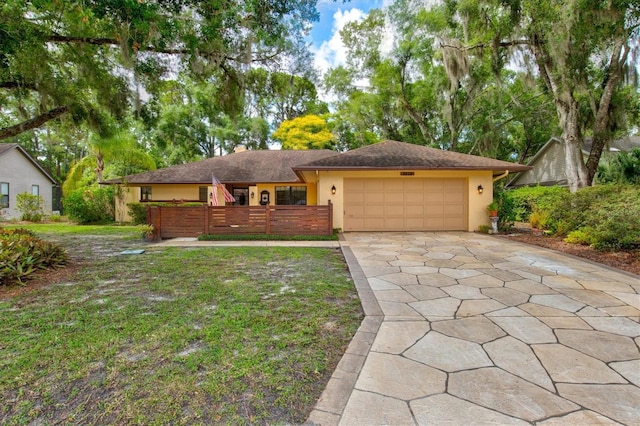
[239,167]
[395,155]
[6,147]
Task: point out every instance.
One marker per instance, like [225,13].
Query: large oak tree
[94,60]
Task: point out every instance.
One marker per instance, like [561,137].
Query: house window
[145,193]
[203,194]
[290,195]
[242,196]
[4,195]
[35,190]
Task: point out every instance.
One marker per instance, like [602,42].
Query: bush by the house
[604,216]
[138,213]
[22,254]
[520,204]
[91,205]
[31,207]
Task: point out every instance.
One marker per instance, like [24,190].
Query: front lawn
[182,336]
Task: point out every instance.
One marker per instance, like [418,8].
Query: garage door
[405,205]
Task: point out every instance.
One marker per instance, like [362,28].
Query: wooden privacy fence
[192,221]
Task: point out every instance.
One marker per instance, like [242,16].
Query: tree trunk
[601,134]
[99,166]
[576,172]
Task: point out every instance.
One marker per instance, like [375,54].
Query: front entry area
[412,204]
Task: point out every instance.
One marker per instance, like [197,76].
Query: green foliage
[579,236]
[266,237]
[138,213]
[22,254]
[518,205]
[604,216]
[91,205]
[30,206]
[623,168]
[83,57]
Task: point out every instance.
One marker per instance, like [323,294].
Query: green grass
[184,336]
[265,237]
[69,228]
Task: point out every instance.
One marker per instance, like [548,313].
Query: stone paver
[465,328]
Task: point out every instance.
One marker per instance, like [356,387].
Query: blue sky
[326,44]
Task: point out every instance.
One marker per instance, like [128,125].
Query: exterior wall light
[253,194]
[480,189]
[333,190]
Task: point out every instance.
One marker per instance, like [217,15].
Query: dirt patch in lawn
[628,261]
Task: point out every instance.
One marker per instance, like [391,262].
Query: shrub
[604,216]
[612,219]
[579,236]
[22,254]
[138,213]
[91,205]
[55,217]
[30,206]
[519,204]
[623,168]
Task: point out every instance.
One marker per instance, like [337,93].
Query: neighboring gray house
[549,163]
[20,173]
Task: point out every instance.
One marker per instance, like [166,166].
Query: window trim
[3,195]
[145,193]
[289,199]
[203,194]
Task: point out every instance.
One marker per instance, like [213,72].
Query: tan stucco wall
[21,174]
[169,192]
[477,214]
[128,195]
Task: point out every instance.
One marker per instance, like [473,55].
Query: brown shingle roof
[240,167]
[400,155]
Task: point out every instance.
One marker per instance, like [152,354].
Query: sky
[326,45]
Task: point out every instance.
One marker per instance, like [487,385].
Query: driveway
[465,328]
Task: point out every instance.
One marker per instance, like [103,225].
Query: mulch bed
[628,261]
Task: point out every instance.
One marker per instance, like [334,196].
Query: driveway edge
[328,410]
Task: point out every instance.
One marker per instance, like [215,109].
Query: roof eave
[518,168]
[35,163]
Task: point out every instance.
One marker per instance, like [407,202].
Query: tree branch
[509,43]
[16,85]
[103,41]
[32,123]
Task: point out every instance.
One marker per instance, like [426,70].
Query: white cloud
[332,52]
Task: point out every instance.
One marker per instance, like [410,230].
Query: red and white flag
[215,183]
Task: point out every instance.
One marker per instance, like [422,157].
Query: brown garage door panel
[405,204]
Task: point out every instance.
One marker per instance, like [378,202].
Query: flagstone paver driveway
[465,328]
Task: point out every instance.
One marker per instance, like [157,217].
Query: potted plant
[147,232]
[492,209]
